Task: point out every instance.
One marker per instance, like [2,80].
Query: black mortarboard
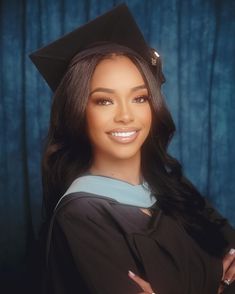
[117,26]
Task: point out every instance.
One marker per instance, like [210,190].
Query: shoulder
[82,205]
[88,216]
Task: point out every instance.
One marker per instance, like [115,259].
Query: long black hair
[67,153]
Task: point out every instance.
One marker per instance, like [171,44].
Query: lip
[123,130]
[124,140]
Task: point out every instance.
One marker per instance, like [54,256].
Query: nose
[124,113]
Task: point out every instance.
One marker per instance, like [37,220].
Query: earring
[154,56]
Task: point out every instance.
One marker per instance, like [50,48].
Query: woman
[123,218]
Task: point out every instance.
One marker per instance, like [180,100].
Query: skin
[228,268]
[124,108]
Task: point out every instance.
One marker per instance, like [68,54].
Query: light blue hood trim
[121,191]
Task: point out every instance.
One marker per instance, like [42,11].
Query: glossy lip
[124,140]
[121,130]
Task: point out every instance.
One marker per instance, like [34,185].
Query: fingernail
[231,251]
[131,273]
[227,282]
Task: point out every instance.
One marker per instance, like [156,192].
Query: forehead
[118,71]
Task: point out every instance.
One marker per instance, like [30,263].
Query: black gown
[95,240]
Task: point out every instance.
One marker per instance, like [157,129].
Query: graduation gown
[95,240]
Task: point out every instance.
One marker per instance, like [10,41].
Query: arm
[99,250]
[226,228]
[229,257]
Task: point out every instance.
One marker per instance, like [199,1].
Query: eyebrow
[107,90]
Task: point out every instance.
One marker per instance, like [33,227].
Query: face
[118,112]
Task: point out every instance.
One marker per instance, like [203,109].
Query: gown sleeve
[228,232]
[226,228]
[97,248]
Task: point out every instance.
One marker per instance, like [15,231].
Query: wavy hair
[67,152]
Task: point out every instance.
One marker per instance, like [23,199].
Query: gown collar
[119,190]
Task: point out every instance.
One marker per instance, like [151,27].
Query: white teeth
[123,134]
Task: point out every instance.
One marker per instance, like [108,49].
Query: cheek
[146,117]
[96,122]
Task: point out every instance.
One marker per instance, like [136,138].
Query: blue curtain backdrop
[195,39]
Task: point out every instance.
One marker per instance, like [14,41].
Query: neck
[123,169]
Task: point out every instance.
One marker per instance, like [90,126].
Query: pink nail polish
[131,273]
[231,251]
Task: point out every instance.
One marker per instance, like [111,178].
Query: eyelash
[101,101]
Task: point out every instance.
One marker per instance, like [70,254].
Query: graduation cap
[116,26]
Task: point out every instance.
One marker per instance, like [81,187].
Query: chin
[123,153]
[117,151]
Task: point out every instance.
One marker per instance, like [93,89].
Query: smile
[123,134]
[124,137]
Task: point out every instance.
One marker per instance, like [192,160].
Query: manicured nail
[131,273]
[231,251]
[227,282]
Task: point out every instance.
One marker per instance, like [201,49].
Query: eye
[103,101]
[141,99]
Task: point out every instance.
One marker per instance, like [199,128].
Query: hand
[142,283]
[228,270]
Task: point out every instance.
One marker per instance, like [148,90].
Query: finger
[230,273]
[147,293]
[221,289]
[223,286]
[138,280]
[142,283]
[228,259]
